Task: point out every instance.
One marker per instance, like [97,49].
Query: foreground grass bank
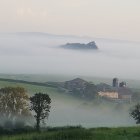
[78,133]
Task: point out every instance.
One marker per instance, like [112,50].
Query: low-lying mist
[40,53]
[16,122]
[90,114]
[75,112]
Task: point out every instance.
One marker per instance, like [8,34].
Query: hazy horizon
[81,21]
[96,18]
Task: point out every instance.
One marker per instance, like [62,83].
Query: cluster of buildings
[118,92]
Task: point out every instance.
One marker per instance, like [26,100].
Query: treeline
[18,110]
[27,82]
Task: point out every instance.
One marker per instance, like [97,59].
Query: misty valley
[87,84]
[69,69]
[80,102]
[40,53]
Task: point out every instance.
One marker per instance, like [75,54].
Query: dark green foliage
[135,113]
[74,133]
[64,128]
[40,104]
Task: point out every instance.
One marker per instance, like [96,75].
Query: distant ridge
[90,45]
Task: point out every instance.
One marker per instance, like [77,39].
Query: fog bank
[90,115]
[40,53]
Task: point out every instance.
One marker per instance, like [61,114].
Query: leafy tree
[40,104]
[13,101]
[135,113]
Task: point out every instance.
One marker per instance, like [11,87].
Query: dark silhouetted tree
[40,104]
[135,113]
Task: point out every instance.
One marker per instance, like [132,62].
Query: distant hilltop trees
[91,45]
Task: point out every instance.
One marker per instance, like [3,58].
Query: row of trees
[16,106]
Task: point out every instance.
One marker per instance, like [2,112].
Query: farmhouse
[117,93]
[109,94]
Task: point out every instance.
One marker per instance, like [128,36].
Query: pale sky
[119,19]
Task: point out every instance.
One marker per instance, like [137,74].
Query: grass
[56,96]
[66,133]
[71,133]
[122,133]
[53,92]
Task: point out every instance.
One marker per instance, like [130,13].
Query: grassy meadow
[78,133]
[54,93]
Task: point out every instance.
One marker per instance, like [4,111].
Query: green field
[69,110]
[69,133]
[61,78]
[32,89]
